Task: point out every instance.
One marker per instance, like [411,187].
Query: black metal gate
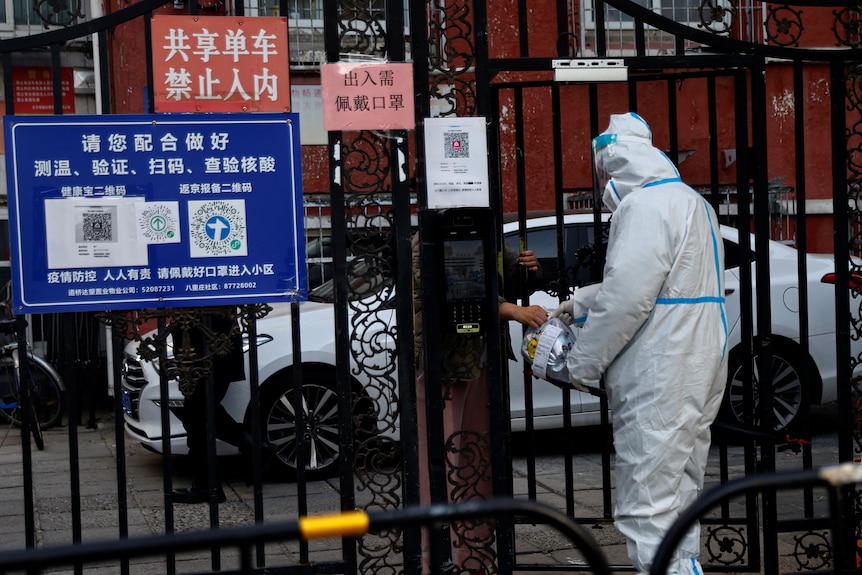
[705,79]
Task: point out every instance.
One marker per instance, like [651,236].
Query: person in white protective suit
[657,332]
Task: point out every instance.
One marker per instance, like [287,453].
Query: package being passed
[546,348]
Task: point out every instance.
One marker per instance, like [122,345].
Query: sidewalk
[146,509]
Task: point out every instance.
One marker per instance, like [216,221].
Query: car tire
[322,423]
[788,388]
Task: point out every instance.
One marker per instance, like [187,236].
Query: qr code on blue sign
[457,145]
[97,226]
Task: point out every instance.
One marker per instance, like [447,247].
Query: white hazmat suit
[657,331]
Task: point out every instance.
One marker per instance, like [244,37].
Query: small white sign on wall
[307,101]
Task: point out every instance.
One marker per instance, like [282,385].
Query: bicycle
[45,390]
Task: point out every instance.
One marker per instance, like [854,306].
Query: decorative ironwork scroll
[726,545]
[846,27]
[360,28]
[451,58]
[717,16]
[813,551]
[783,25]
[58,12]
[187,364]
[367,171]
[853,96]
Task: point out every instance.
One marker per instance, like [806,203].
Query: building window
[305,24]
[24,15]
[683,11]
[741,21]
[6,10]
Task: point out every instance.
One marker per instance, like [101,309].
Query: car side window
[585,259]
[733,255]
[583,262]
[543,242]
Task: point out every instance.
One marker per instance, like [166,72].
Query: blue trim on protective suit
[616,193]
[671,164]
[718,275]
[694,568]
[690,300]
[719,299]
[664,181]
[637,117]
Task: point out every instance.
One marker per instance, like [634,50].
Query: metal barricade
[347,524]
[836,480]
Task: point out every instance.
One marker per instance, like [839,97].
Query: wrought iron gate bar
[463,81]
[734,46]
[801,239]
[634,63]
[710,62]
[509,84]
[61,36]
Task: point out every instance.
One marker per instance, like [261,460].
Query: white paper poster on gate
[456,165]
[92,232]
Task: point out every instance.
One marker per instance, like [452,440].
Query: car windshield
[367,270]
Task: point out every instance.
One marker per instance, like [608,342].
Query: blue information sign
[138,211]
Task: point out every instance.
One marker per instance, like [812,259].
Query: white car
[787,357]
[275,357]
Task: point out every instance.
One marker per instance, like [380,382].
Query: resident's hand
[529,260]
[533,316]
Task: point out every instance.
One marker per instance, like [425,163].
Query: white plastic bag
[546,348]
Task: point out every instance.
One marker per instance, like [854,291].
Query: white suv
[582,262]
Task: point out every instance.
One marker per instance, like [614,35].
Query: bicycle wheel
[11,402]
[36,430]
[46,392]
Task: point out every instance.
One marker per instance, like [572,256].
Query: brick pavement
[146,512]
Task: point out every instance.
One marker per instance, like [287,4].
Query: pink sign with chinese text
[220,64]
[367,96]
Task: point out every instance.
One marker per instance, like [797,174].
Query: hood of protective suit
[625,159]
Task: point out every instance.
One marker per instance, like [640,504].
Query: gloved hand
[574,309]
[565,312]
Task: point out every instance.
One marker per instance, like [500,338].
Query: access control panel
[465,234]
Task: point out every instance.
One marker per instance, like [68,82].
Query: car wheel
[321,423]
[788,388]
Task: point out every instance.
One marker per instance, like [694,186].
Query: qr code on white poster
[457,145]
[217,228]
[97,225]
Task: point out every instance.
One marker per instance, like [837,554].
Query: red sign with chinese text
[368,96]
[220,64]
[33,90]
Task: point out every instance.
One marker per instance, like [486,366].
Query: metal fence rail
[348,524]
[837,480]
